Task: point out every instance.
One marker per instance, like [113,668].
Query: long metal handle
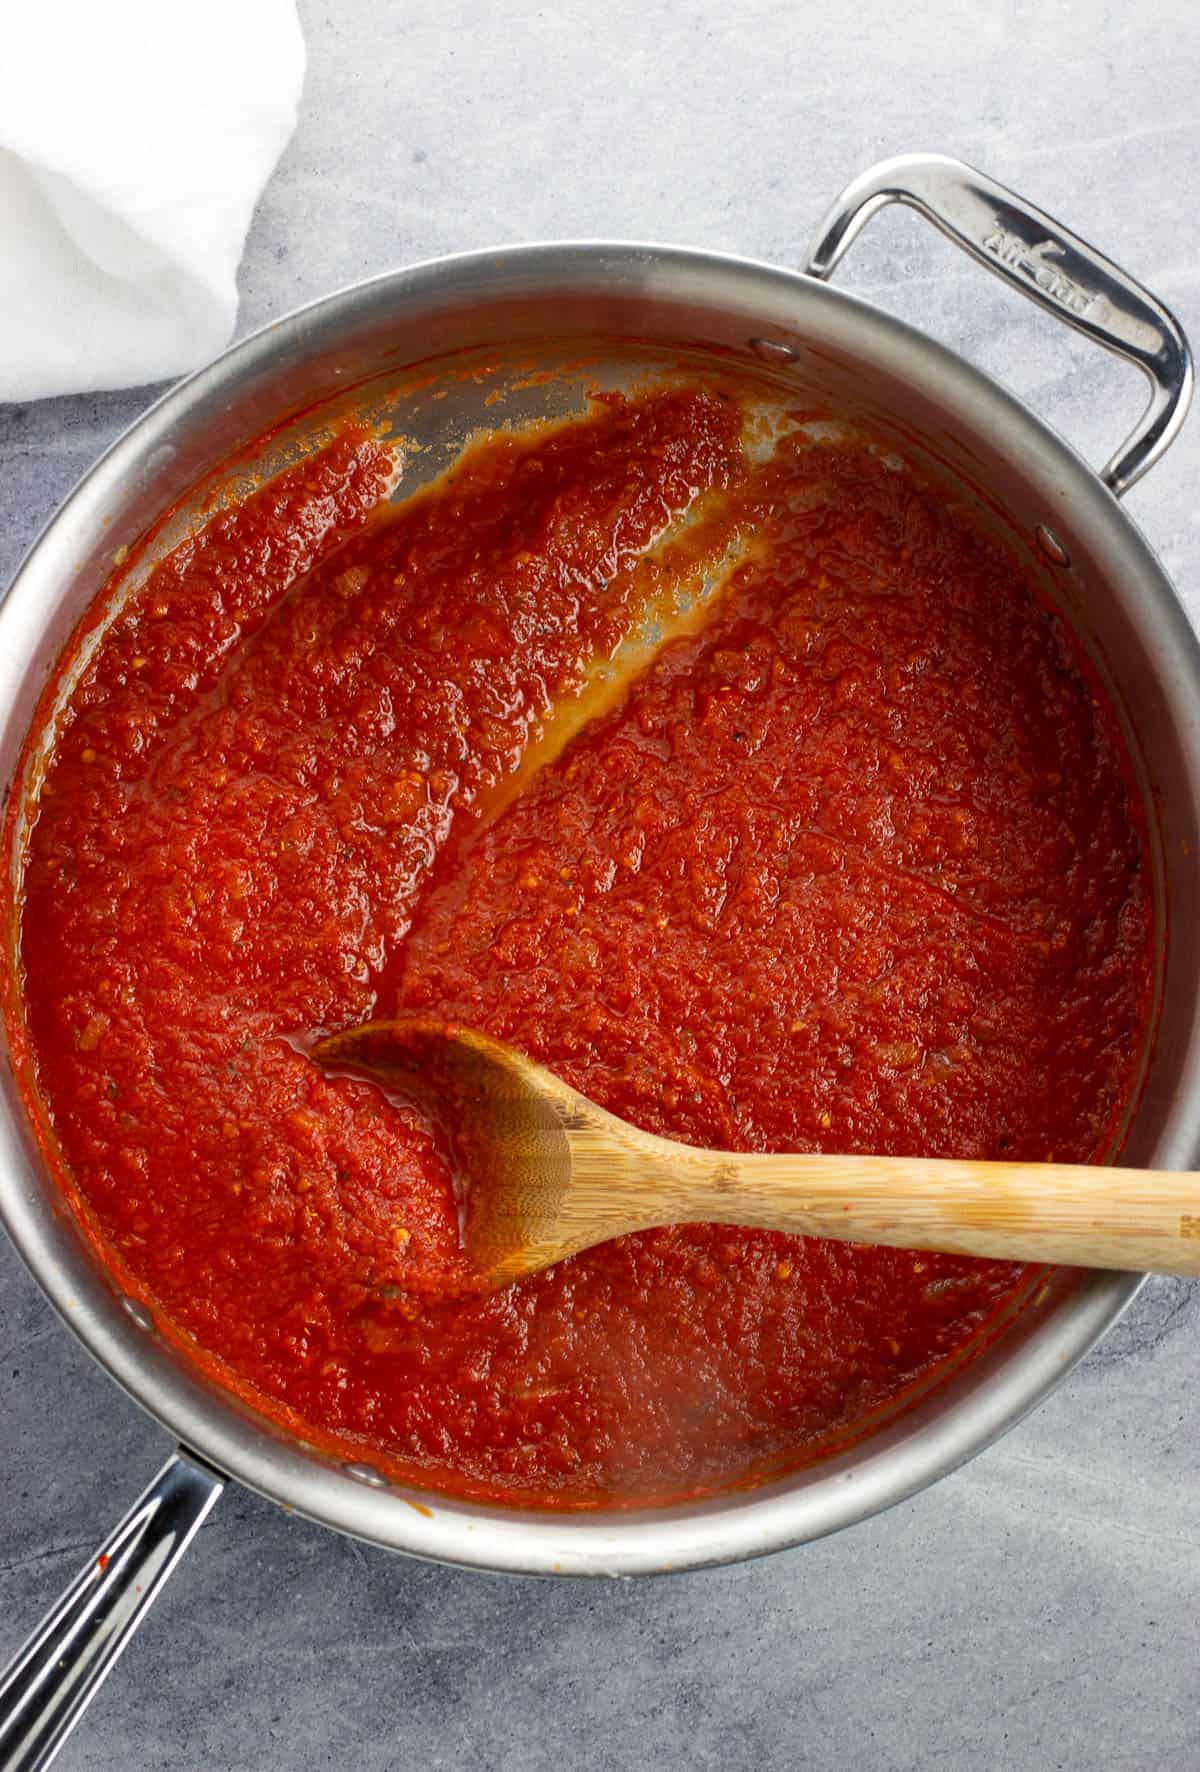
[1046,262]
[52,1680]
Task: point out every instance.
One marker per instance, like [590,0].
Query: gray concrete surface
[1037,1610]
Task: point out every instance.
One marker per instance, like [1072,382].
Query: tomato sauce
[853,863]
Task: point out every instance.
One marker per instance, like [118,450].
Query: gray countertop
[1039,1608]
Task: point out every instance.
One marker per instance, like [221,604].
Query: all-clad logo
[1010,249]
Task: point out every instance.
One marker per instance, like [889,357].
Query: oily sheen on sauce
[855,864]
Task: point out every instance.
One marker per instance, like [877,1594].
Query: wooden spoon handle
[1079,1215]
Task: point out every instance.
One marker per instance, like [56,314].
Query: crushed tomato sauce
[856,866]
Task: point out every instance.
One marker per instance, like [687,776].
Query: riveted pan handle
[52,1680]
[1046,262]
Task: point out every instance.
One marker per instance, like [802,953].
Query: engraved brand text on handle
[1010,249]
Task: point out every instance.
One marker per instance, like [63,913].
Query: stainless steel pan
[541,305]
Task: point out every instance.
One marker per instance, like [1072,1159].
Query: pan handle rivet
[773,350]
[137,1310]
[366,1473]
[1051,547]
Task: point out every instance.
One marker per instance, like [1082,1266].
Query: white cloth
[135,139]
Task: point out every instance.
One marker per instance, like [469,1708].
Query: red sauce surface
[858,866]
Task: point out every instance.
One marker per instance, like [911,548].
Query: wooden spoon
[543,1172]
